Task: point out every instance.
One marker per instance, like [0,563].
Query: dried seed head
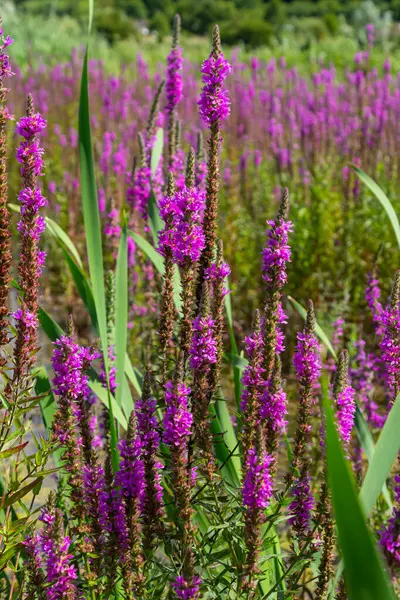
[342,373]
[155,107]
[310,322]
[284,206]
[171,185]
[395,295]
[142,150]
[190,167]
[216,42]
[176,31]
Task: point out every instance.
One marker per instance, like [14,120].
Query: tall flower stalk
[5,233]
[173,87]
[178,422]
[214,105]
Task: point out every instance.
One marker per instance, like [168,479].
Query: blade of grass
[382,198]
[364,571]
[122,393]
[381,462]
[93,232]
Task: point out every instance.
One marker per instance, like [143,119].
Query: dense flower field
[191,453]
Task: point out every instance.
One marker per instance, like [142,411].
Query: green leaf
[382,198]
[318,330]
[122,393]
[10,451]
[155,221]
[48,404]
[367,443]
[134,376]
[91,219]
[11,499]
[226,443]
[49,326]
[158,262]
[365,575]
[97,388]
[381,462]
[157,151]
[234,355]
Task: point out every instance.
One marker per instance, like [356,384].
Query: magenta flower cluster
[390,534]
[185,590]
[130,476]
[306,360]
[253,377]
[302,504]
[346,410]
[203,351]
[257,485]
[390,345]
[183,234]
[178,419]
[214,101]
[174,84]
[70,361]
[274,408]
[277,252]
[150,438]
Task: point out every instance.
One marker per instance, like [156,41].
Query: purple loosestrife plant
[257,493]
[173,87]
[390,343]
[214,105]
[203,356]
[5,234]
[308,368]
[178,422]
[31,226]
[276,254]
[390,534]
[152,500]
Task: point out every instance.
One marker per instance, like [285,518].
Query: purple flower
[30,126]
[138,193]
[390,345]
[274,408]
[390,534]
[183,233]
[178,419]
[346,409]
[257,486]
[186,590]
[253,377]
[306,360]
[302,505]
[174,83]
[150,441]
[214,101]
[5,67]
[203,351]
[61,573]
[214,273]
[130,477]
[277,252]
[30,156]
[70,363]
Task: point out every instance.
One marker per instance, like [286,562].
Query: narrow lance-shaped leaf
[93,233]
[365,575]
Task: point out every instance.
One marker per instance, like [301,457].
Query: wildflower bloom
[273,408]
[203,351]
[372,296]
[174,84]
[177,419]
[257,486]
[390,534]
[344,396]
[308,367]
[186,590]
[184,235]
[149,443]
[214,101]
[61,574]
[31,226]
[302,505]
[276,254]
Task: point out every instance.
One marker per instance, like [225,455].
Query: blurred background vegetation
[331,28]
